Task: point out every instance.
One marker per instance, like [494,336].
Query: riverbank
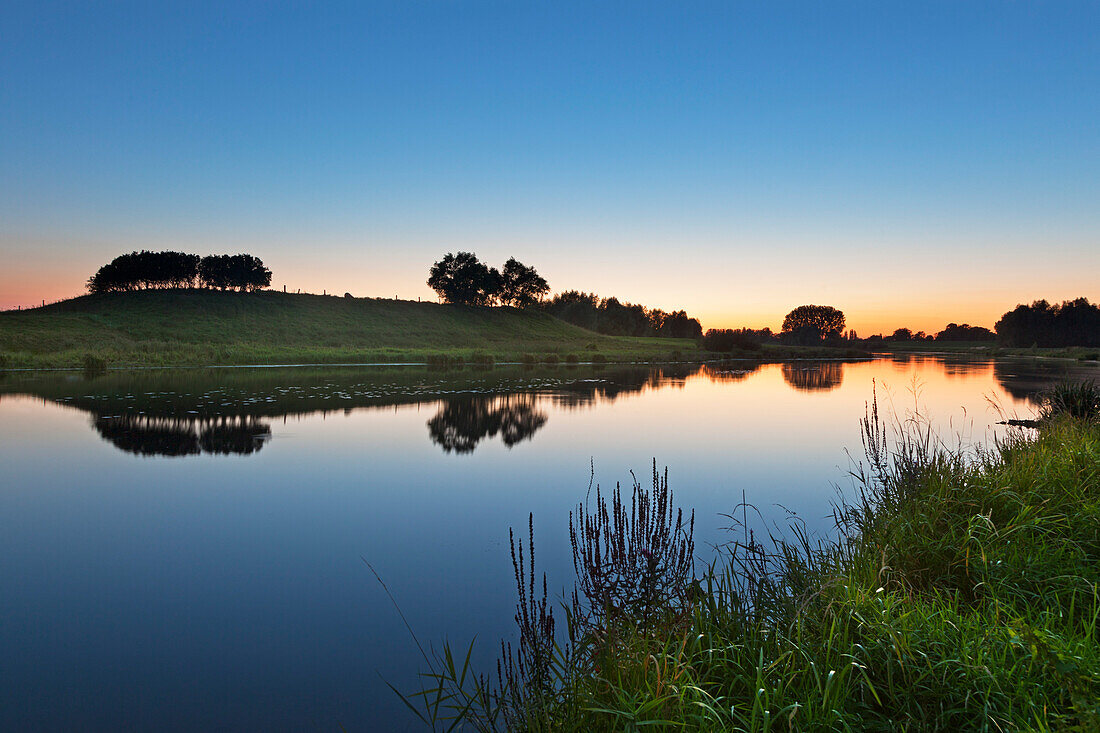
[161,328]
[208,328]
[963,593]
[988,349]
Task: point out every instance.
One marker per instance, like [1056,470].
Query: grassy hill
[201,327]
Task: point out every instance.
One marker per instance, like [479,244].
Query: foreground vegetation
[962,592]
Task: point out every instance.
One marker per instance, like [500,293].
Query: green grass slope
[198,327]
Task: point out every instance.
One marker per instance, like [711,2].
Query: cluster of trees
[612,317]
[466,280]
[725,340]
[812,324]
[161,270]
[805,325]
[1073,323]
[965,332]
[952,332]
[905,334]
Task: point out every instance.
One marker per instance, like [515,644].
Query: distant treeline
[953,332]
[806,325]
[163,270]
[1073,323]
[725,340]
[614,318]
[824,325]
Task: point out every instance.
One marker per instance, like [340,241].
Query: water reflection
[150,435]
[229,412]
[462,423]
[210,582]
[729,372]
[822,376]
[1027,379]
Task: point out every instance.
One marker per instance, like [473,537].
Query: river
[187,549]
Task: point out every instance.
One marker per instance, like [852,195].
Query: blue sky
[905,162]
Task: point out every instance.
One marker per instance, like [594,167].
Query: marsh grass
[1079,400]
[94,365]
[959,592]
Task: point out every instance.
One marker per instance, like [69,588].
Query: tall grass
[959,592]
[1080,400]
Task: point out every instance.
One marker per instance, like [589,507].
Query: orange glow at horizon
[872,300]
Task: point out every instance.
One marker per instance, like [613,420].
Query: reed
[94,365]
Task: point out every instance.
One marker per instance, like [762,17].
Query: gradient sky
[909,163]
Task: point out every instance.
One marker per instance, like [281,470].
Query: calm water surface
[184,550]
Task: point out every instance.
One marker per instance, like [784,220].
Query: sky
[909,163]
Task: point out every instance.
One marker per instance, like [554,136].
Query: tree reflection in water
[148,435]
[1029,379]
[728,372]
[822,376]
[463,422]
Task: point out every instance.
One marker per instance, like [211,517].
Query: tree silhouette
[616,318]
[161,270]
[678,325]
[811,323]
[965,332]
[146,271]
[725,340]
[239,272]
[902,334]
[521,286]
[1073,323]
[464,279]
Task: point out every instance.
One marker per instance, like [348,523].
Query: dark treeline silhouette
[161,270]
[1073,323]
[806,325]
[725,340]
[965,332]
[905,334]
[951,332]
[465,280]
[612,317]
